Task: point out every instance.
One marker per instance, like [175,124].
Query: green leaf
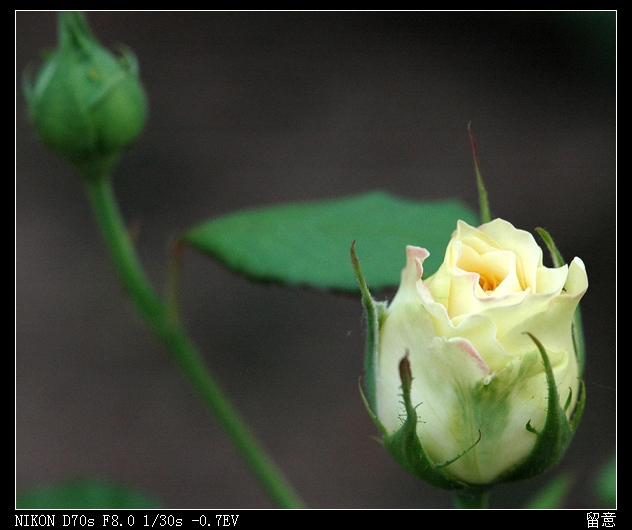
[308,243]
[552,495]
[83,494]
[606,484]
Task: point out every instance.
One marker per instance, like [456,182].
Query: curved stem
[470,498]
[160,320]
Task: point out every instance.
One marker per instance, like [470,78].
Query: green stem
[470,498]
[158,317]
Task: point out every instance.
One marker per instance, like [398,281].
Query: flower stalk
[88,105]
[159,319]
[471,498]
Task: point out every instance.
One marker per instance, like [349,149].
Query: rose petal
[520,242]
[456,400]
[411,273]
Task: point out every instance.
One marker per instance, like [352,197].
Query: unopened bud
[85,103]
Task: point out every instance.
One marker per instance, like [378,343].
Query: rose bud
[472,374]
[85,103]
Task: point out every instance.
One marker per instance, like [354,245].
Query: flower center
[487,283]
[492,267]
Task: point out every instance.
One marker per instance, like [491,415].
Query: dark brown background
[250,109]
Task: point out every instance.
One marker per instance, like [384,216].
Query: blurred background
[250,109]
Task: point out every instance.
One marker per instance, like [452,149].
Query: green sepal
[556,433]
[577,328]
[374,312]
[405,445]
[369,409]
[579,408]
[485,214]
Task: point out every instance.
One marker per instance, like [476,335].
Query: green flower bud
[85,103]
[472,374]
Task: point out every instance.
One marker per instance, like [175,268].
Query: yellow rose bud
[479,385]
